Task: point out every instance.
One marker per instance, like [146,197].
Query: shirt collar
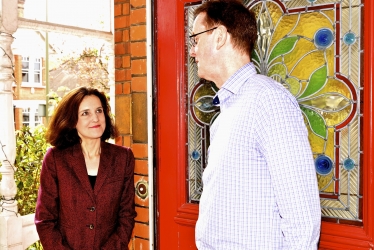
[236,81]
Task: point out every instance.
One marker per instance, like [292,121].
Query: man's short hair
[239,21]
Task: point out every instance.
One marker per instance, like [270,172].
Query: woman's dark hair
[61,131]
[239,21]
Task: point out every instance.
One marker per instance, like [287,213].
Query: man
[260,187]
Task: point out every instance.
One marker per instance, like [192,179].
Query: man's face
[202,51]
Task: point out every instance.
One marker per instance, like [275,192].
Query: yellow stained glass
[303,46]
[314,49]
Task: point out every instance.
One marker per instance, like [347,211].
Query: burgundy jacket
[71,215]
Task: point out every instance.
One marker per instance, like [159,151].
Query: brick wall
[131,103]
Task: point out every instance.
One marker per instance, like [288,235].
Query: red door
[175,216]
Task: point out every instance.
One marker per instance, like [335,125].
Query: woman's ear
[222,36]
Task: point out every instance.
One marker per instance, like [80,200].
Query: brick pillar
[18,118]
[131,103]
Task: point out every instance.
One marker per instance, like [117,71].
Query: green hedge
[30,149]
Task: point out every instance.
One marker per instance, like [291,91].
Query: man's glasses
[192,37]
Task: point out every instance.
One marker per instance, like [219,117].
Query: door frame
[339,236]
[175,217]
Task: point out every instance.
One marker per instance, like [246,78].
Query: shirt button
[91,226]
[92,209]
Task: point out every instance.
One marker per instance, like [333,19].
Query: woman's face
[91,118]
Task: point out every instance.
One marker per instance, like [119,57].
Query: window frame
[31,71]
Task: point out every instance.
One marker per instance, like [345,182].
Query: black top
[92,179]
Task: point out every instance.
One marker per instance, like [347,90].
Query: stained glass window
[312,47]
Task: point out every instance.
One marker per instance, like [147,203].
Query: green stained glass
[316,122]
[278,69]
[283,47]
[316,82]
[313,48]
[293,85]
[304,49]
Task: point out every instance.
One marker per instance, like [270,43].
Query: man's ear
[222,36]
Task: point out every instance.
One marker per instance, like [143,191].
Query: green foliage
[31,147]
[30,150]
[54,99]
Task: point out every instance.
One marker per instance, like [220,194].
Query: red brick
[141,244]
[126,88]
[118,62]
[139,67]
[143,214]
[138,16]
[131,245]
[138,49]
[126,9]
[126,61]
[117,9]
[121,22]
[141,230]
[140,150]
[141,167]
[118,36]
[137,3]
[123,75]
[139,84]
[127,141]
[118,140]
[118,88]
[122,48]
[126,35]
[138,32]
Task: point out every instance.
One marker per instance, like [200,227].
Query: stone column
[10,221]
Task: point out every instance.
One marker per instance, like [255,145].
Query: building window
[26,117]
[31,117]
[31,71]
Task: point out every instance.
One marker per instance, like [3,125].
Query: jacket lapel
[78,164]
[105,164]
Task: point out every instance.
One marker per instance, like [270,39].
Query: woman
[86,194]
